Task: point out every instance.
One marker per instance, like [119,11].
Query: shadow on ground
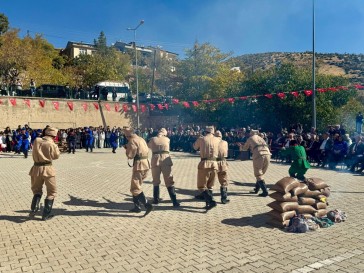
[257,221]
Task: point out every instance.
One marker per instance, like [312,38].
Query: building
[75,49]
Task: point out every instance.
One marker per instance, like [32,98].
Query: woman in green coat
[299,165]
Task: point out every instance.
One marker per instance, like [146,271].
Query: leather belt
[42,163]
[209,158]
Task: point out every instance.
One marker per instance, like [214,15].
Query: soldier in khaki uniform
[137,149]
[207,168]
[162,163]
[42,172]
[261,160]
[222,167]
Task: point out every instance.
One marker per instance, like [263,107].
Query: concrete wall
[37,116]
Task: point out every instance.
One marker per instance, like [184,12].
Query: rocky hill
[348,65]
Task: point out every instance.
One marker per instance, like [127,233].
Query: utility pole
[314,124]
[153,75]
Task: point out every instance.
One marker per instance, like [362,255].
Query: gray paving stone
[94,232]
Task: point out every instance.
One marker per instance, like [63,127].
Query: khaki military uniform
[222,164]
[137,149]
[261,155]
[43,172]
[207,168]
[161,161]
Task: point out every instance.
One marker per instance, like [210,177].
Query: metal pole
[136,70]
[137,79]
[314,124]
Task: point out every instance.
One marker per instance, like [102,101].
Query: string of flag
[125,107]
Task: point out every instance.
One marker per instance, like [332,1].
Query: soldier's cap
[209,129]
[23,128]
[162,131]
[51,131]
[218,134]
[254,132]
[128,131]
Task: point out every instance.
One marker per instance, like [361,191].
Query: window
[83,51]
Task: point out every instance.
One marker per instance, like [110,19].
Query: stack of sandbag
[285,205]
[316,196]
[293,197]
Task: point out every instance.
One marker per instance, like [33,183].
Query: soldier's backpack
[336,216]
[298,224]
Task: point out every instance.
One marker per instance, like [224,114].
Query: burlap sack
[283,197]
[321,213]
[300,189]
[281,216]
[315,184]
[325,191]
[307,216]
[320,205]
[306,201]
[305,209]
[283,206]
[312,194]
[278,224]
[285,184]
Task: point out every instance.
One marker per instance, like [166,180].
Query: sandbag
[315,184]
[283,197]
[310,193]
[281,216]
[306,201]
[320,205]
[325,191]
[303,209]
[285,184]
[307,215]
[276,223]
[321,213]
[283,206]
[300,189]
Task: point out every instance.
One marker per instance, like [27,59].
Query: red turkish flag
[56,104]
[125,107]
[143,108]
[195,103]
[281,95]
[308,92]
[269,96]
[243,98]
[166,106]
[116,106]
[321,90]
[160,106]
[27,102]
[295,94]
[358,86]
[13,102]
[333,89]
[222,100]
[96,105]
[186,104]
[175,101]
[42,103]
[134,107]
[152,107]
[107,106]
[231,100]
[70,105]
[84,106]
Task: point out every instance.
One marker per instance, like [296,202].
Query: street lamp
[136,69]
[313,68]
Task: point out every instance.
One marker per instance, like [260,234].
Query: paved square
[94,232]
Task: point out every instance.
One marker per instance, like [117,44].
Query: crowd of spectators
[330,148]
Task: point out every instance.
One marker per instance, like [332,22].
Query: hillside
[348,65]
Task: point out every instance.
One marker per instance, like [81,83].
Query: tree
[196,72]
[4,23]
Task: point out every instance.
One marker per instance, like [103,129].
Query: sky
[235,26]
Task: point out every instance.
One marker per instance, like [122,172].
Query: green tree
[4,23]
